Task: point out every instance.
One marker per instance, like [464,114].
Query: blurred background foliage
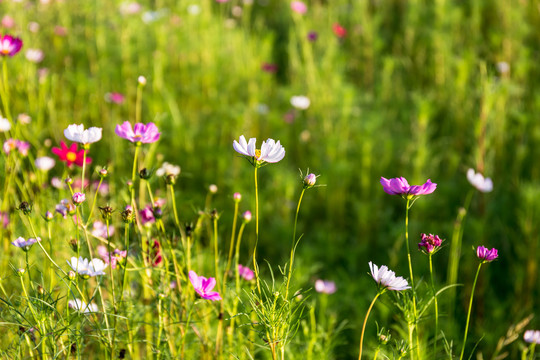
[420,89]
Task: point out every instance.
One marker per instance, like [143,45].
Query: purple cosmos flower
[140,134]
[485,254]
[25,244]
[400,186]
[245,273]
[204,286]
[270,152]
[325,286]
[532,336]
[430,243]
[10,45]
[387,279]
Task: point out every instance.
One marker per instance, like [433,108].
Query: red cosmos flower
[70,155]
[339,30]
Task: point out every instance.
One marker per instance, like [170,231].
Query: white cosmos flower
[77,133]
[478,181]
[300,102]
[387,278]
[271,151]
[34,55]
[45,163]
[532,336]
[5,125]
[87,268]
[168,169]
[81,306]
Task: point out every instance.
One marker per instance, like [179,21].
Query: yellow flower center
[71,156]
[257,154]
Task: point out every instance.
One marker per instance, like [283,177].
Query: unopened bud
[40,290]
[106,212]
[72,275]
[213,188]
[48,216]
[247,216]
[74,244]
[142,80]
[68,181]
[237,197]
[145,174]
[21,271]
[310,180]
[127,215]
[103,173]
[78,198]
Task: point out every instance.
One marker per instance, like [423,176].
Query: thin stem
[293,247]
[83,167]
[134,172]
[365,322]
[412,278]
[231,247]
[94,202]
[255,266]
[436,306]
[175,212]
[469,312]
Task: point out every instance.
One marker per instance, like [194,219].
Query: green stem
[412,278]
[469,312]
[255,266]
[365,322]
[436,306]
[175,212]
[293,247]
[231,247]
[134,172]
[94,202]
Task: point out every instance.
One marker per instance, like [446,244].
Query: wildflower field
[266,179]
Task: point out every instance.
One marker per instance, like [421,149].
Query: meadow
[126,132]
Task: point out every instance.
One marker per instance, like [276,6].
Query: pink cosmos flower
[430,243]
[485,254]
[245,273]
[10,45]
[114,258]
[115,98]
[99,229]
[204,286]
[140,134]
[299,7]
[78,198]
[70,155]
[269,68]
[147,215]
[325,286]
[13,144]
[400,186]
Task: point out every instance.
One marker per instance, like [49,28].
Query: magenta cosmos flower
[10,45]
[270,152]
[400,186]
[430,243]
[485,254]
[204,286]
[245,273]
[142,133]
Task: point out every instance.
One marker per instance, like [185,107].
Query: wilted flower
[300,102]
[430,243]
[400,186]
[77,133]
[245,273]
[270,152]
[478,181]
[140,134]
[339,30]
[44,163]
[115,98]
[325,286]
[387,278]
[204,286]
[81,306]
[78,198]
[127,214]
[532,336]
[114,258]
[298,7]
[9,45]
[87,268]
[486,255]
[5,125]
[70,154]
[34,55]
[24,244]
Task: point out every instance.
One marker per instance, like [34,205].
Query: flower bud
[247,216]
[48,216]
[74,244]
[103,173]
[21,271]
[213,188]
[189,230]
[237,197]
[127,214]
[40,290]
[25,207]
[141,80]
[310,180]
[72,275]
[71,209]
[68,181]
[170,179]
[78,198]
[106,212]
[157,211]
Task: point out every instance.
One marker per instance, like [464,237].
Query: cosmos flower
[78,198]
[99,229]
[116,257]
[24,244]
[245,273]
[81,306]
[299,7]
[339,30]
[400,186]
[70,155]
[430,243]
[204,286]
[387,279]
[300,102]
[325,286]
[147,215]
[140,134]
[477,180]
[87,268]
[532,336]
[270,152]
[5,125]
[115,98]
[34,55]
[77,133]
[13,144]
[44,163]
[10,45]
[486,255]
[168,169]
